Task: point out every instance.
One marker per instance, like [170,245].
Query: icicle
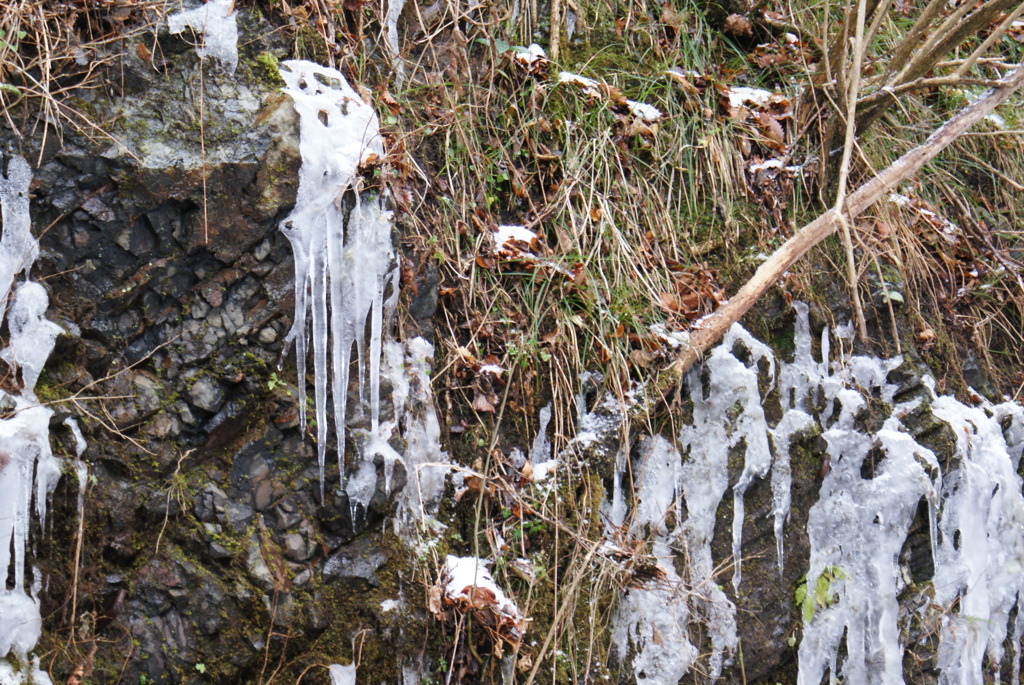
[617,509]
[28,469]
[395,8]
[217,22]
[980,571]
[654,617]
[340,266]
[793,421]
[76,432]
[797,378]
[541,450]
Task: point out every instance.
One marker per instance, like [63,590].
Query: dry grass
[965,276]
[51,51]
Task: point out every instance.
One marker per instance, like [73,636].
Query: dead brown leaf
[738,26]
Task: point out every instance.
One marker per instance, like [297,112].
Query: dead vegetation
[634,227]
[51,52]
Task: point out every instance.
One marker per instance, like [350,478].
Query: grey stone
[358,561]
[163,426]
[262,250]
[262,495]
[297,548]
[206,394]
[237,516]
[257,567]
[209,503]
[267,335]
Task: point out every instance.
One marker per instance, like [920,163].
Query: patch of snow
[544,470]
[342,675]
[467,575]
[217,22]
[530,55]
[643,111]
[741,96]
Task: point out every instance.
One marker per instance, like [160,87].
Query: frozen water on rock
[980,564]
[856,531]
[31,674]
[395,8]
[346,290]
[342,675]
[32,336]
[423,459]
[857,528]
[543,465]
[727,416]
[541,450]
[654,617]
[345,265]
[18,248]
[217,22]
[793,421]
[28,469]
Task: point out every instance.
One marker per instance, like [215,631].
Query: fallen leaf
[772,130]
[482,403]
[738,26]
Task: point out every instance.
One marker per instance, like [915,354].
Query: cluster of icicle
[858,525]
[28,469]
[346,289]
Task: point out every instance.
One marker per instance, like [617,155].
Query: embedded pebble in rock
[267,336]
[209,503]
[206,394]
[237,515]
[296,548]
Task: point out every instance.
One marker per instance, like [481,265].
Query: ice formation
[416,420]
[342,675]
[345,264]
[857,528]
[346,289]
[725,417]
[395,8]
[28,469]
[654,617]
[217,22]
[980,560]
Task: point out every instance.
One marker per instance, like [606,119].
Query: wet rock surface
[210,541]
[206,536]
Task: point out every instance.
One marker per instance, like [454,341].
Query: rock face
[209,551]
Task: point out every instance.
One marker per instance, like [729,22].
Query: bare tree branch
[715,326]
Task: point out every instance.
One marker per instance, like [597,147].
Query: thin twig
[844,169]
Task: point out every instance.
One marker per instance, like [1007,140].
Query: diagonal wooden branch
[715,326]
